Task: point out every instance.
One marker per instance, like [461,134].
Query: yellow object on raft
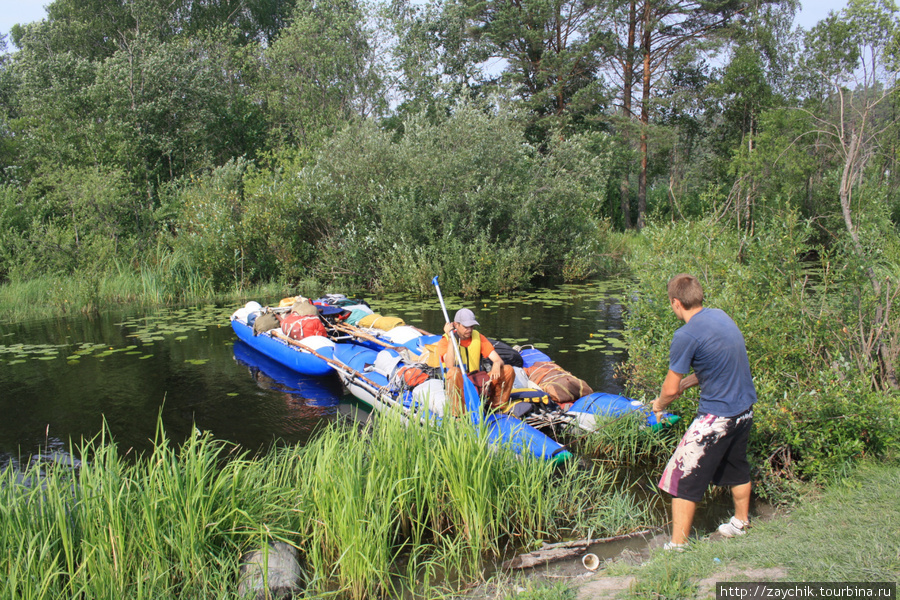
[376,321]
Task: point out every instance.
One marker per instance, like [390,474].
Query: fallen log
[539,557]
[592,541]
[558,551]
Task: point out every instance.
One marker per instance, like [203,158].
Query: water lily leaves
[178,322]
[19,353]
[145,329]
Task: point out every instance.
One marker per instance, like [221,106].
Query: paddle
[470,394]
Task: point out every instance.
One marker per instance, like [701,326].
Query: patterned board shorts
[713,450]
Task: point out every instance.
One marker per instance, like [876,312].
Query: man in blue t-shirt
[714,448]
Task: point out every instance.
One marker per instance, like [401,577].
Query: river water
[62,378]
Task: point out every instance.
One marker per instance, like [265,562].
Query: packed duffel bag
[509,355]
[298,326]
[377,321]
[410,376]
[562,387]
[431,393]
[265,322]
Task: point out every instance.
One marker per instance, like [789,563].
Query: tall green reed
[626,442]
[402,509]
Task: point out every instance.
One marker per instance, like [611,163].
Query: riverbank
[392,511]
[144,288]
[848,531]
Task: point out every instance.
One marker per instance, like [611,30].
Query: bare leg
[454,388]
[741,496]
[500,390]
[682,519]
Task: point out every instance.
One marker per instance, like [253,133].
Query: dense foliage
[468,199]
[190,148]
[384,143]
[801,310]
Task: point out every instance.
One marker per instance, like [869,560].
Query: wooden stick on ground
[592,541]
[539,557]
[561,550]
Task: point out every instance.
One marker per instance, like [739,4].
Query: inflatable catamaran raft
[384,363]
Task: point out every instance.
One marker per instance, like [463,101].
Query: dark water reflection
[61,378]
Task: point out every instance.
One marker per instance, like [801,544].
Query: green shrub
[465,198]
[817,409]
[71,220]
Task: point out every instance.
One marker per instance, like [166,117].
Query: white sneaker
[673,547]
[734,527]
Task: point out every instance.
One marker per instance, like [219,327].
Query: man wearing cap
[496,384]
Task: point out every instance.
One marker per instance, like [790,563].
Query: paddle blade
[472,399]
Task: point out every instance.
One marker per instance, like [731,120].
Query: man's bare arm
[671,389]
[688,382]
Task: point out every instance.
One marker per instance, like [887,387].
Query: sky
[26,11]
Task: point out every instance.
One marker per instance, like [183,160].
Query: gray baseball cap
[465,317]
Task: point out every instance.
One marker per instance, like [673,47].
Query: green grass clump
[401,510]
[558,591]
[625,442]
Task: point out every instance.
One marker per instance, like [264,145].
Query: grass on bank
[846,532]
[86,293]
[849,532]
[401,510]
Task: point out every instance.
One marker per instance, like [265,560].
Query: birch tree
[852,61]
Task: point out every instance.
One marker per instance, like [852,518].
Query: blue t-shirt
[713,345]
